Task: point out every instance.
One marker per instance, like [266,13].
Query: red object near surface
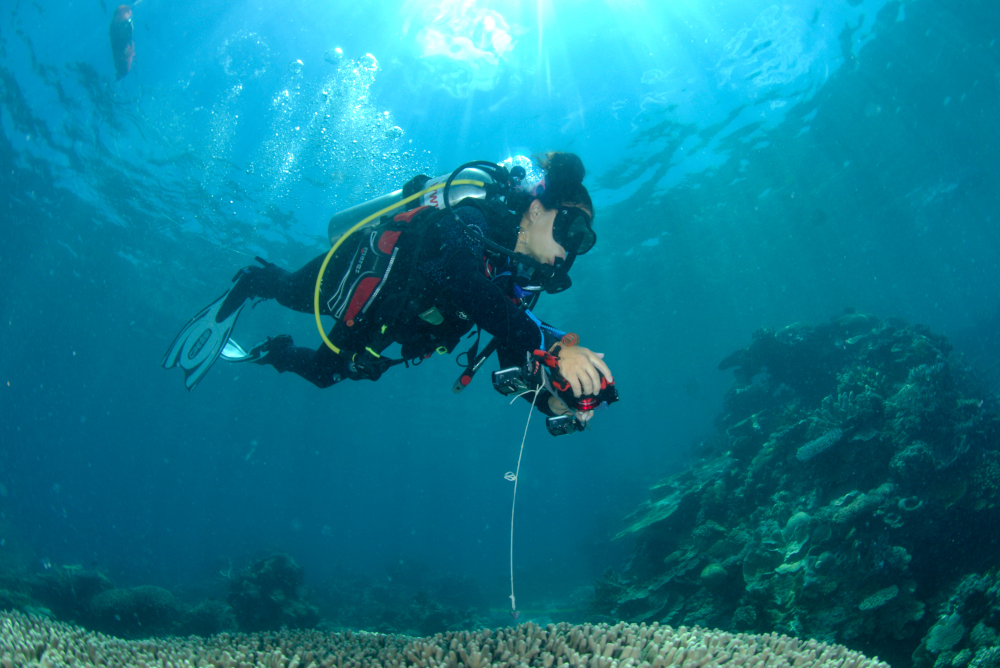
[122,46]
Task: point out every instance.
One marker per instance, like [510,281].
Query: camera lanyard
[513,477]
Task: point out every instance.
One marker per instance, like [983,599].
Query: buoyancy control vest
[490,180]
[379,296]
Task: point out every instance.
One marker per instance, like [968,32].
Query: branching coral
[32,641]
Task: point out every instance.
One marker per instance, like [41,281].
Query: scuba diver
[473,249]
[122,46]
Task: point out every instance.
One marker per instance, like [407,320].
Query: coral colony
[843,497]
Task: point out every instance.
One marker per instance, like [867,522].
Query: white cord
[512,477]
[518,396]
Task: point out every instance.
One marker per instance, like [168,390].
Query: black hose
[500,176]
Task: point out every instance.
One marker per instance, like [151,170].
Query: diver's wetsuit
[454,269]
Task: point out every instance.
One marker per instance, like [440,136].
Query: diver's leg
[322,367]
[297,290]
[292,290]
[251,282]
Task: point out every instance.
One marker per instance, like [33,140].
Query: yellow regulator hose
[358,226]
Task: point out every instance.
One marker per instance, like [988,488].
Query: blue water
[752,165]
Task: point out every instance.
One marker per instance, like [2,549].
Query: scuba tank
[463,186]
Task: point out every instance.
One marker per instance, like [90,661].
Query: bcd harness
[381,297]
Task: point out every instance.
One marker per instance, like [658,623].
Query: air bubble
[334,56]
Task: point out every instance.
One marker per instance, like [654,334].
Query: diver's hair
[564,174]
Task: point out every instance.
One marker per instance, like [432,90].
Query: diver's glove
[266,352]
[251,283]
[366,366]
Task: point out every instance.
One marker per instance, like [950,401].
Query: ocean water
[752,164]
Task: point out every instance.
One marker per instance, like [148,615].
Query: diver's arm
[488,306]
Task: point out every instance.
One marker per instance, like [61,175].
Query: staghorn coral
[862,379]
[32,641]
[837,410]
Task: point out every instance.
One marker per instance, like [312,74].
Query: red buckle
[407,216]
[546,358]
[564,387]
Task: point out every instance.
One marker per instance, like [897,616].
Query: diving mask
[573,230]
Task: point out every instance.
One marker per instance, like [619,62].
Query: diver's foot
[250,282]
[267,352]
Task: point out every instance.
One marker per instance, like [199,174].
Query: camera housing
[514,380]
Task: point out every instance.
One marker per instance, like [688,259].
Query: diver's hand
[557,406]
[582,367]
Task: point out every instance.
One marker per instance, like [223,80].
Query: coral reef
[26,641]
[66,591]
[410,597]
[208,618]
[135,612]
[408,603]
[89,598]
[965,632]
[269,594]
[853,470]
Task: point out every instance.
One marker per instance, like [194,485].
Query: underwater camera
[515,380]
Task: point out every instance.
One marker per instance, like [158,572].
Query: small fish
[122,46]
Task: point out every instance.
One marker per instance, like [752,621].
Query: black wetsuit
[452,274]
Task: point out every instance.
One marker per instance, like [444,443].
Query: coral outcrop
[409,599]
[269,594]
[266,595]
[851,478]
[965,630]
[135,612]
[73,594]
[67,590]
